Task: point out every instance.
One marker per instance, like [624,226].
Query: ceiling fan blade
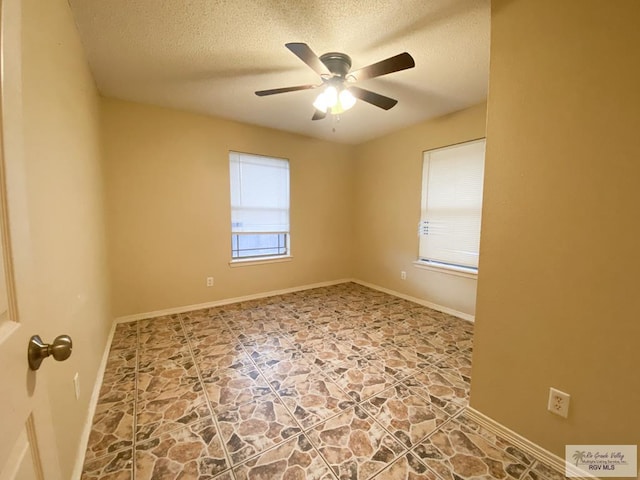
[273,91]
[319,115]
[373,98]
[397,63]
[304,53]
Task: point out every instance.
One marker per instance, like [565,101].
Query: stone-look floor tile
[112,430]
[214,342]
[339,327]
[252,428]
[256,330]
[287,368]
[311,397]
[120,362]
[394,326]
[211,350]
[207,318]
[203,337]
[166,384]
[420,320]
[116,466]
[294,459]
[408,416]
[384,310]
[464,348]
[274,309]
[166,323]
[468,425]
[453,452]
[367,319]
[150,360]
[253,319]
[360,381]
[210,364]
[159,342]
[267,346]
[354,445]
[170,410]
[215,331]
[322,350]
[178,365]
[361,340]
[457,365]
[308,335]
[328,350]
[394,361]
[407,467]
[286,356]
[290,324]
[443,390]
[194,451]
[120,390]
[125,336]
[426,356]
[175,351]
[416,337]
[229,388]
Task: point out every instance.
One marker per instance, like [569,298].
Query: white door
[27,445]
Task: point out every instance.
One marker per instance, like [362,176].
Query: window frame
[284,236]
[262,258]
[435,264]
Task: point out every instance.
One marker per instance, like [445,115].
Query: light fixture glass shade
[331,95]
[333,102]
[321,103]
[347,100]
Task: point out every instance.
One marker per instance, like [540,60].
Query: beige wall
[388,185]
[169,208]
[354,210]
[65,196]
[558,295]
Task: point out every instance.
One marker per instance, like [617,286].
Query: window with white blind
[259,206]
[452,206]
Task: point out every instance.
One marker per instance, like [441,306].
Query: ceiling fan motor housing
[338,63]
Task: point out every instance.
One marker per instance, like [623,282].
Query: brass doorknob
[60,349]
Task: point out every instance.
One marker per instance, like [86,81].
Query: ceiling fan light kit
[339,93]
[333,102]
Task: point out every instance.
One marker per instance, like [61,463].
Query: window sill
[259,261]
[448,269]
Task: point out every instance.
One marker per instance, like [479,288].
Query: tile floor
[340,382]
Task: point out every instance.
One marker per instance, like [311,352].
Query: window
[259,206]
[452,206]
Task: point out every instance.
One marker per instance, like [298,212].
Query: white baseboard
[527,446]
[93,403]
[435,306]
[216,303]
[226,301]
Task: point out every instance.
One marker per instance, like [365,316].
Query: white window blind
[452,204]
[259,194]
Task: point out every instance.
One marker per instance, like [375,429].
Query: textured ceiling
[209,56]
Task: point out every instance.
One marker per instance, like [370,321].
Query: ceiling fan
[340,93]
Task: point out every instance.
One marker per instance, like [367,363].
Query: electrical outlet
[558,402]
[209,281]
[403,275]
[76,385]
